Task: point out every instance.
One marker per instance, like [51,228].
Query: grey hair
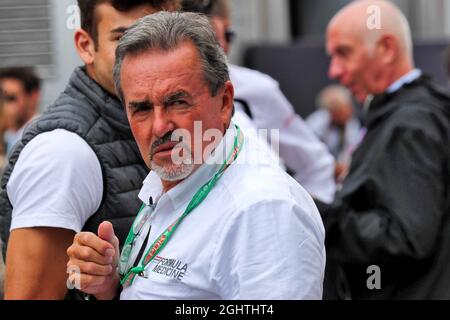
[166,31]
[331,95]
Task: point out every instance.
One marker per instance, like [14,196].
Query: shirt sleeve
[300,149]
[309,158]
[56,182]
[270,250]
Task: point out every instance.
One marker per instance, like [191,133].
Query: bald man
[388,231]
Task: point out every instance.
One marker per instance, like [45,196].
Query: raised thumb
[106,231]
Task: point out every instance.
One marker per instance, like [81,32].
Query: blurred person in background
[388,231]
[4,125]
[22,91]
[336,125]
[77,164]
[260,97]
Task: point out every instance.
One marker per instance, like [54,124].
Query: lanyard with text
[128,276]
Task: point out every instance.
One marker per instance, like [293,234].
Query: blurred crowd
[379,175]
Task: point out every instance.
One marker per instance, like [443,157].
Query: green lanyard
[146,212]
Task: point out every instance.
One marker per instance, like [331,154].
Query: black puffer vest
[87,110]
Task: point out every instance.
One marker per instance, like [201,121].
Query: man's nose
[162,122]
[335,69]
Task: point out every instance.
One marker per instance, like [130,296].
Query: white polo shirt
[257,235]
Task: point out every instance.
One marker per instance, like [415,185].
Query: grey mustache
[166,138]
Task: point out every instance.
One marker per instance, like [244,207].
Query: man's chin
[173,172]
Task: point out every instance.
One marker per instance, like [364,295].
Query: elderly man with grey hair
[228,224]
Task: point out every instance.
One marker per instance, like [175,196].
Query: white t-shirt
[299,148]
[56,182]
[257,235]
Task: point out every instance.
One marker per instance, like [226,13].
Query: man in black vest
[388,231]
[77,165]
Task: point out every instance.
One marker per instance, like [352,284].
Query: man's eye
[177,103]
[343,52]
[139,108]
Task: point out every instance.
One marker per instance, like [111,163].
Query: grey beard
[176,172]
[179,169]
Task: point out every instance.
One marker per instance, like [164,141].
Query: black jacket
[394,207]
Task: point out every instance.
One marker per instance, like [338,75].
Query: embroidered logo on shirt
[171,268]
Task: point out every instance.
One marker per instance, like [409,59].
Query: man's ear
[227,103]
[389,49]
[85,46]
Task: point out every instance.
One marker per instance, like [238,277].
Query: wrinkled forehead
[163,69]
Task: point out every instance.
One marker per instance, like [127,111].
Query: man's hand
[93,262]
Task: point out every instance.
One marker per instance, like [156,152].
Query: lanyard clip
[143,274]
[151,204]
[140,271]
